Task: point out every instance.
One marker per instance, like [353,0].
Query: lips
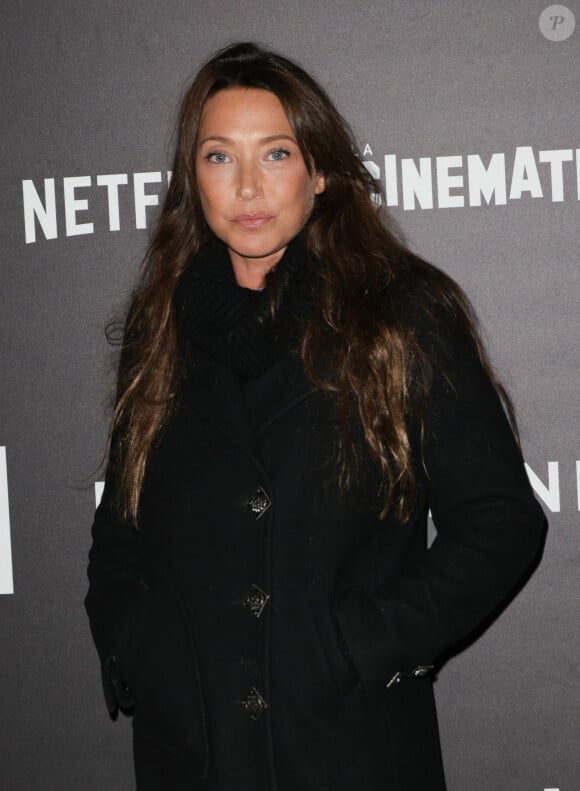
[252,221]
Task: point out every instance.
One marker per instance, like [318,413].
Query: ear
[319,184]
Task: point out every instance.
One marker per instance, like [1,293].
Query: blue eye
[279,154]
[216,157]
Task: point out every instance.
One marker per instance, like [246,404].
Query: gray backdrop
[89,90]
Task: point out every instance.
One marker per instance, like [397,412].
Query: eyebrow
[229,141]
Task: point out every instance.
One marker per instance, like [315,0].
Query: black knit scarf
[234,324]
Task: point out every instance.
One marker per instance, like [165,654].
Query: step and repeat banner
[468,114]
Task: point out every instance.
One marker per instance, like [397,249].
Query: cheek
[300,192]
[308,194]
[207,195]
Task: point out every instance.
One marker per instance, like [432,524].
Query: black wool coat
[275,635]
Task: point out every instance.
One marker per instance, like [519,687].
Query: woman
[296,391]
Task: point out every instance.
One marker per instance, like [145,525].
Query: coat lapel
[279,389]
[216,393]
[243,410]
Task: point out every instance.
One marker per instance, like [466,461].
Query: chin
[256,248]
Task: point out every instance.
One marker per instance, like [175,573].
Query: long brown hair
[377,363]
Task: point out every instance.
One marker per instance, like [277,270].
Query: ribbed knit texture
[234,324]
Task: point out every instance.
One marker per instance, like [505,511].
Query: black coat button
[259,502]
[254,704]
[256,600]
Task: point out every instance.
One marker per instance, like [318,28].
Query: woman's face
[255,189]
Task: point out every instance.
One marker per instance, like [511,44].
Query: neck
[251,272]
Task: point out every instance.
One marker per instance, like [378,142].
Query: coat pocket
[160,668]
[340,667]
[343,741]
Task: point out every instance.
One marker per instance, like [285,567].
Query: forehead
[248,109]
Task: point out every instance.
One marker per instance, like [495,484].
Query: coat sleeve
[490,530]
[119,581]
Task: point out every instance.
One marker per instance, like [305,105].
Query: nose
[249,181]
